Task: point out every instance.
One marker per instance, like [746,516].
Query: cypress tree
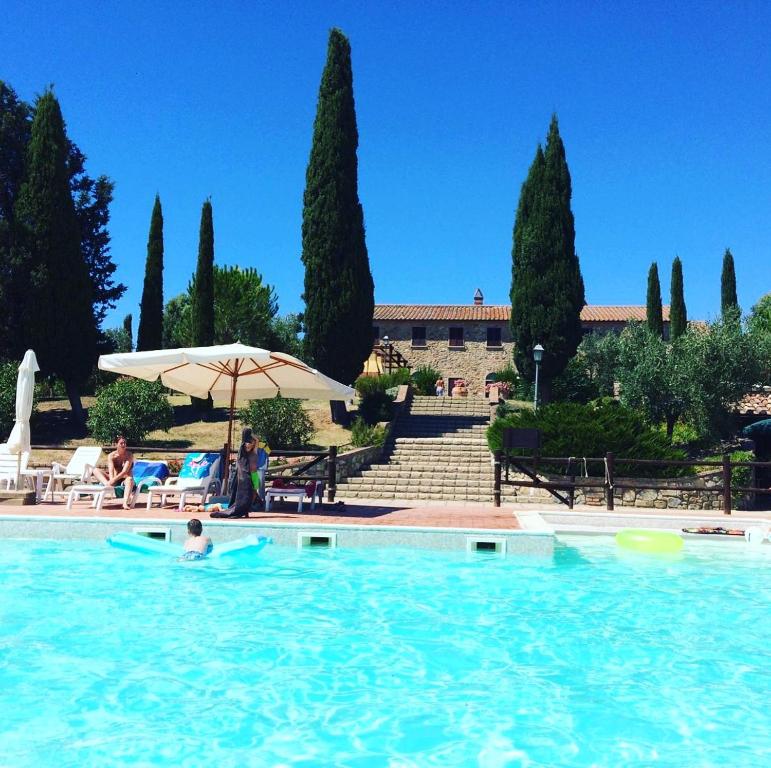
[150,333]
[202,293]
[678,318]
[129,330]
[547,292]
[58,313]
[653,314]
[339,291]
[729,303]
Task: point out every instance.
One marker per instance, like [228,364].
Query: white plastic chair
[187,484]
[78,470]
[10,465]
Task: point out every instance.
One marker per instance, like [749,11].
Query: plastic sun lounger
[298,493]
[198,477]
[144,472]
[78,470]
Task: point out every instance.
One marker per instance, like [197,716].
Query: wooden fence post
[332,473]
[726,484]
[609,480]
[497,479]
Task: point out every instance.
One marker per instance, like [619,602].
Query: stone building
[471,341]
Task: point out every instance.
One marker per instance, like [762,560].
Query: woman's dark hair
[246,437]
[194,527]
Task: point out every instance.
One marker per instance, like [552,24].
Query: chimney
[479,299]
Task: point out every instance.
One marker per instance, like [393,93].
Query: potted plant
[459,388]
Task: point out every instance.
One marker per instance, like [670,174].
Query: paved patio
[428,514]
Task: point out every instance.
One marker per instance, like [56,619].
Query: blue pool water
[385,657]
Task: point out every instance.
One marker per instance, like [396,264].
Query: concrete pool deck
[418,513]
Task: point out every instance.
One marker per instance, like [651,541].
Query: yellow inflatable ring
[651,542]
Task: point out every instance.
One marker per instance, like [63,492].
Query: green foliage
[729,302]
[280,421]
[244,307]
[678,316]
[759,329]
[150,333]
[698,376]
[130,407]
[547,292]
[366,384]
[202,289]
[363,435]
[177,326]
[653,312]
[286,334]
[117,340]
[9,372]
[424,380]
[91,199]
[376,406]
[572,429]
[592,372]
[128,330]
[339,291]
[57,312]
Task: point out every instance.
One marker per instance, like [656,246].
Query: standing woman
[247,479]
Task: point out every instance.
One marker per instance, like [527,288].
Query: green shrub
[424,380]
[132,408]
[363,435]
[376,406]
[9,372]
[280,421]
[367,384]
[573,429]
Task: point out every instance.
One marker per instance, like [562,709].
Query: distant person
[197,546]
[119,465]
[439,387]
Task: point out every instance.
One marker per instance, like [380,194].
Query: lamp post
[387,345]
[537,356]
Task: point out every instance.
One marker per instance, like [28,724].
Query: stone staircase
[438,451]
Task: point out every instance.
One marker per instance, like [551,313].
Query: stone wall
[472,362]
[704,492]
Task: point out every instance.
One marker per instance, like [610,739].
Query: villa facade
[471,341]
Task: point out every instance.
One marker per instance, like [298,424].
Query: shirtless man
[197,546]
[119,465]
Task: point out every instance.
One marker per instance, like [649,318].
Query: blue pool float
[134,542]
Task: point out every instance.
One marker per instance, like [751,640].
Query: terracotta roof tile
[756,403]
[460,312]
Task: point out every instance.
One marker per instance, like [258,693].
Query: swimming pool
[385,657]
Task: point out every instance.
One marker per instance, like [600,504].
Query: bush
[132,408]
[366,384]
[376,406]
[9,372]
[572,429]
[281,421]
[363,435]
[424,380]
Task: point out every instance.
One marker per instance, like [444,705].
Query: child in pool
[197,545]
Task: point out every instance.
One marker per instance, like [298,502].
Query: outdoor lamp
[537,356]
[387,347]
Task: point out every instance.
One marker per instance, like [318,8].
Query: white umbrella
[19,439]
[228,371]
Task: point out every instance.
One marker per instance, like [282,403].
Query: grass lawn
[52,427]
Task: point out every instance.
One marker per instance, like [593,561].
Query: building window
[418,335]
[375,333]
[456,337]
[494,337]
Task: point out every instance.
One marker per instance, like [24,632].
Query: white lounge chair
[10,465]
[100,492]
[298,493]
[78,470]
[199,476]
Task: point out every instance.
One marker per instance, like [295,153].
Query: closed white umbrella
[228,372]
[19,439]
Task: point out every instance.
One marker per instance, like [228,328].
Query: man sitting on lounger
[119,465]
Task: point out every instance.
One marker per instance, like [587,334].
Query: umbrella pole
[226,474]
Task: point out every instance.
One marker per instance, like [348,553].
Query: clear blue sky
[664,112]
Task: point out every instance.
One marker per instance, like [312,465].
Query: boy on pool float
[197,546]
